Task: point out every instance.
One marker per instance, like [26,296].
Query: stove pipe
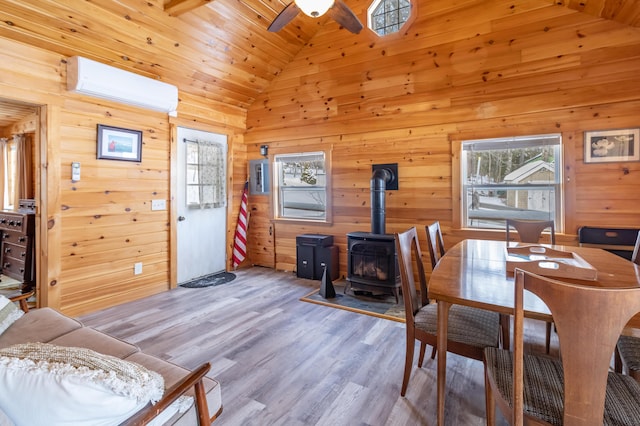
[379,181]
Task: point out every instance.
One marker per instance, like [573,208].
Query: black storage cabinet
[314,252]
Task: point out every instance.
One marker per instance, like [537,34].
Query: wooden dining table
[473,273]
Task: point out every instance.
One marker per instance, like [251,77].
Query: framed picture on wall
[115,143]
[605,146]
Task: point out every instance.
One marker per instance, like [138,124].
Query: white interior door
[201,229]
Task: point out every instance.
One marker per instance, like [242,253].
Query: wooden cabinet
[16,258]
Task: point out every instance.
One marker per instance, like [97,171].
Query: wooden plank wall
[100,226]
[500,68]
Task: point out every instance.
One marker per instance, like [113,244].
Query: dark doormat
[210,280]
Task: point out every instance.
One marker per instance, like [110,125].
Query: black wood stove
[372,264]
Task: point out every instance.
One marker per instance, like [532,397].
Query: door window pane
[206,174]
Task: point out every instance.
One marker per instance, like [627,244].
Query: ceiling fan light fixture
[314,8]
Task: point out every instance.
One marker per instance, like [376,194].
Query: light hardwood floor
[282,361]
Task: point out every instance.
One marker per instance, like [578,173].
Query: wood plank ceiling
[623,11]
[217,49]
[12,112]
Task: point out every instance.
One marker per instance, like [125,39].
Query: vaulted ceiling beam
[623,11]
[178,7]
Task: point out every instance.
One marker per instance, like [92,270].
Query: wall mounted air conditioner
[106,82]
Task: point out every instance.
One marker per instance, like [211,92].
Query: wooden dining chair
[627,354]
[530,231]
[571,390]
[436,242]
[470,329]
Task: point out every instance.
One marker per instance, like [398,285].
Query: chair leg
[505,331]
[408,363]
[423,347]
[490,405]
[547,340]
[617,361]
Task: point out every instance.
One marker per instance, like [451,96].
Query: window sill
[301,221]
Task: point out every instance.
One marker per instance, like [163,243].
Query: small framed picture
[115,143]
[607,146]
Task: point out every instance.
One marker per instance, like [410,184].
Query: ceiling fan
[336,9]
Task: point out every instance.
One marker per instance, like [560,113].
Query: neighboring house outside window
[301,186]
[388,16]
[511,178]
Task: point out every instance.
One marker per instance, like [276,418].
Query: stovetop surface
[371,236]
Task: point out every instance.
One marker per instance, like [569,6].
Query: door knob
[181,218]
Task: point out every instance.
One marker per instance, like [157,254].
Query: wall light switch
[75,171]
[158,204]
[137,268]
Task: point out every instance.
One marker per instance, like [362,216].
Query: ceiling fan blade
[341,13]
[284,17]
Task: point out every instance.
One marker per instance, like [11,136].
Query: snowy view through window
[302,186]
[515,178]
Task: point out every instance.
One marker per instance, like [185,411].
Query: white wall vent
[106,82]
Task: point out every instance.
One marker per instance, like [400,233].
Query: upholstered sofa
[48,326]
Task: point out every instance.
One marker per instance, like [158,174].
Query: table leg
[443,320]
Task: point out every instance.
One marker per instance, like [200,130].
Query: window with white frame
[511,178]
[300,186]
[388,16]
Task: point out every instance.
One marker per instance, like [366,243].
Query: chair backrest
[635,257]
[618,241]
[408,251]
[530,231]
[589,321]
[435,241]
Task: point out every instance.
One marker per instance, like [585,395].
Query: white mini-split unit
[106,82]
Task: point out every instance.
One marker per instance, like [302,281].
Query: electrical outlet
[137,268]
[158,205]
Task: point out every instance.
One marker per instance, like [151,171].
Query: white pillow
[51,385]
[9,313]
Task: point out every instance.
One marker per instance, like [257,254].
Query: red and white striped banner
[240,241]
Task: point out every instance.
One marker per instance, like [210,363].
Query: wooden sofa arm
[21,298]
[145,415]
